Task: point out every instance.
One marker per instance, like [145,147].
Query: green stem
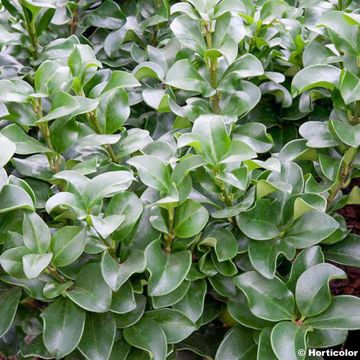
[356,115]
[91,116]
[170,236]
[224,196]
[54,159]
[52,271]
[30,27]
[344,180]
[212,67]
[111,245]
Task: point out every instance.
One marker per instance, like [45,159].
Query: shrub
[171,175]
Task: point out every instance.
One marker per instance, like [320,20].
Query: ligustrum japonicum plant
[171,175]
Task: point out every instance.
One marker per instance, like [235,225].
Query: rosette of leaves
[170,176]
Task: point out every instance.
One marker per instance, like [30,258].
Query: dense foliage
[171,175]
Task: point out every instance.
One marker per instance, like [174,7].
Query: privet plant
[171,175]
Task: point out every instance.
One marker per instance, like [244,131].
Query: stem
[224,196]
[91,116]
[169,237]
[212,67]
[344,180]
[52,271]
[356,115]
[54,160]
[111,245]
[30,27]
[74,21]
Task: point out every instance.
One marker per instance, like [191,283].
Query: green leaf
[63,134]
[238,344]
[287,339]
[245,66]
[63,327]
[120,350]
[265,350]
[344,252]
[192,304]
[15,90]
[223,242]
[98,337]
[343,313]
[149,336]
[90,291]
[239,310]
[35,348]
[14,197]
[350,135]
[171,298]
[25,144]
[81,59]
[132,317]
[53,289]
[306,259]
[8,150]
[175,324]
[310,229]
[115,274]
[264,254]
[349,87]
[188,32]
[123,300]
[63,104]
[67,244]
[106,226]
[312,292]
[51,76]
[318,135]
[326,338]
[108,15]
[258,222]
[190,79]
[11,261]
[106,185]
[9,301]
[342,34]
[255,135]
[167,271]
[326,76]
[268,299]
[214,137]
[239,151]
[190,219]
[113,110]
[119,80]
[128,205]
[36,233]
[152,171]
[34,264]
[149,69]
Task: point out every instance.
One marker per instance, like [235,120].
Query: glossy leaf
[63,327]
[268,299]
[148,335]
[167,271]
[98,337]
[9,301]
